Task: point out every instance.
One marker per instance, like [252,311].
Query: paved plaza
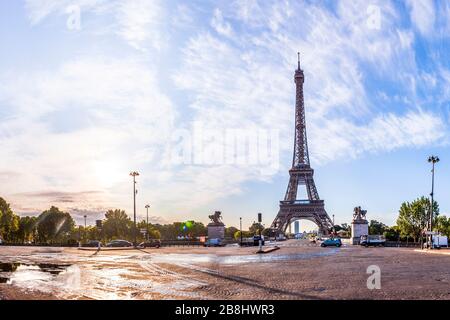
[296,271]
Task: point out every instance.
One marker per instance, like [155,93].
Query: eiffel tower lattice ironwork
[301,174]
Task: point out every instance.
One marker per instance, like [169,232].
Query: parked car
[372,240]
[119,243]
[213,243]
[93,243]
[1,241]
[152,243]
[256,240]
[331,242]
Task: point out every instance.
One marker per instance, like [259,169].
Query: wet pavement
[293,272]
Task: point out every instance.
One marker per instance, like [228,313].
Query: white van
[440,241]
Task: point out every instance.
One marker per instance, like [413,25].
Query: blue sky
[93,89]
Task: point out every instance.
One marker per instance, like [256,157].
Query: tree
[27,229]
[230,231]
[256,227]
[54,225]
[392,233]
[376,227]
[443,225]
[245,234]
[117,225]
[9,222]
[413,217]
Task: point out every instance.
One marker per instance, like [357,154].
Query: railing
[302,202]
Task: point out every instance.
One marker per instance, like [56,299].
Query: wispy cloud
[423,15]
[85,124]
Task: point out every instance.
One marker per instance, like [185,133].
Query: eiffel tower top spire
[301,156]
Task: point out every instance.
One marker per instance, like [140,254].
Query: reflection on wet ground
[26,274]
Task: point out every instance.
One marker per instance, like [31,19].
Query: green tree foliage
[256,227]
[27,230]
[443,225]
[230,231]
[413,217]
[392,233]
[245,234]
[9,222]
[117,225]
[54,225]
[376,227]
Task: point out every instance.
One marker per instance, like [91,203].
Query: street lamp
[240,227]
[433,160]
[146,207]
[85,217]
[134,174]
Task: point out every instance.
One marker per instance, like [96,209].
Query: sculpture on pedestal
[216,228]
[360,226]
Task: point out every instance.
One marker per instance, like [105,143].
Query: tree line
[54,226]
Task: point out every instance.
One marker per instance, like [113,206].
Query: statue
[216,228]
[359,214]
[216,218]
[360,226]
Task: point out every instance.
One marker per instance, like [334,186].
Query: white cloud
[139,22]
[423,15]
[221,26]
[236,84]
[80,127]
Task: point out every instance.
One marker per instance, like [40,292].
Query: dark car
[119,243]
[334,242]
[93,243]
[152,243]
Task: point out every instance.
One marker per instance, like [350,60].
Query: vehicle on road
[152,243]
[1,241]
[213,243]
[119,243]
[440,241]
[280,237]
[93,243]
[372,241]
[331,242]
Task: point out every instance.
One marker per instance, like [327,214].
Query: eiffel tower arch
[301,174]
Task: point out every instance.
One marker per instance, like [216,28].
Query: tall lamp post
[240,228]
[433,160]
[146,207]
[85,217]
[134,174]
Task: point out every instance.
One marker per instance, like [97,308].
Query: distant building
[296,227]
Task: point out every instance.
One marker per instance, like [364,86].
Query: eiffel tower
[301,174]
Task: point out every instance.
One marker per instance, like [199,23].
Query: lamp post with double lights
[134,174]
[433,160]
